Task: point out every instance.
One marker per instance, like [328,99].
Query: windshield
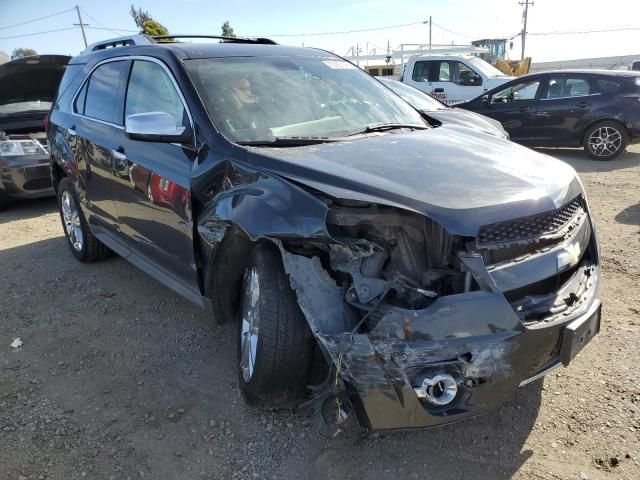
[24,107]
[259,99]
[485,68]
[414,97]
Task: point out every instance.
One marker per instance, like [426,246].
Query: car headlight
[14,148]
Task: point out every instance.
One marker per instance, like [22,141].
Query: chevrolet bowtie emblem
[569,256]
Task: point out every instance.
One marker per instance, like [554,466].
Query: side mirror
[486,100]
[155,127]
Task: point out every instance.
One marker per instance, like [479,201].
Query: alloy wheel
[605,141]
[71,218]
[250,324]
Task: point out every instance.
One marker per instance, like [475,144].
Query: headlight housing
[15,148]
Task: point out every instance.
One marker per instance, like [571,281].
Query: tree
[146,23]
[23,52]
[227,30]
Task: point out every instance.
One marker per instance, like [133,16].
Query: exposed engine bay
[401,306]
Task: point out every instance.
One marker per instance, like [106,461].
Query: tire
[605,140]
[84,246]
[282,348]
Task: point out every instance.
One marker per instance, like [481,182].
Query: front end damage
[423,328]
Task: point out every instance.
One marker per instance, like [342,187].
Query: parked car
[452,78]
[598,110]
[28,87]
[442,113]
[411,275]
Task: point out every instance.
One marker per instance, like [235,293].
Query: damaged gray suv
[382,271]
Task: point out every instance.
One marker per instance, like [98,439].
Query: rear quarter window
[71,78]
[607,85]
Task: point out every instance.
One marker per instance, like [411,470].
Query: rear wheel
[84,246]
[605,140]
[275,345]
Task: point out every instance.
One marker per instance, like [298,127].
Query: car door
[153,183]
[564,107]
[514,105]
[96,127]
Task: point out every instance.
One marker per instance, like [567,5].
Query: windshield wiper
[289,141]
[383,127]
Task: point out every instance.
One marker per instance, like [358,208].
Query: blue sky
[456,21]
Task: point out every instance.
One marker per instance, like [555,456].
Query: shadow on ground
[26,209]
[118,375]
[630,215]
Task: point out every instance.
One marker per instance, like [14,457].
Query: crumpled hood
[469,119]
[458,177]
[31,78]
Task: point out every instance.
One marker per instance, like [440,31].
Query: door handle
[524,109]
[120,160]
[438,90]
[583,104]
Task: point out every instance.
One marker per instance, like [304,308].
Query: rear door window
[103,92]
[566,87]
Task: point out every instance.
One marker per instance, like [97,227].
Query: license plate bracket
[579,332]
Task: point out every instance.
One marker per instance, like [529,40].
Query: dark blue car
[596,109]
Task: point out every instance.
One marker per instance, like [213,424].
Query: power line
[451,31]
[36,19]
[104,27]
[340,33]
[114,30]
[579,32]
[37,33]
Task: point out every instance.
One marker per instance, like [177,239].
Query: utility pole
[429,31]
[526,4]
[82,25]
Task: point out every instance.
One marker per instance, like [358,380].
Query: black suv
[380,269]
[598,110]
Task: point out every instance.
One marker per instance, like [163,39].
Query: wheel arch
[256,208]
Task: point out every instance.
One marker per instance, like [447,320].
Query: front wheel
[605,140]
[275,345]
[84,246]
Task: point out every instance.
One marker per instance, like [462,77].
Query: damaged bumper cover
[480,339]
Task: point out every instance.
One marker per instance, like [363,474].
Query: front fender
[250,205]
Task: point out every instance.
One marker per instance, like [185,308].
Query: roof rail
[140,39]
[266,41]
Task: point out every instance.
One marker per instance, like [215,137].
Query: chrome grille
[532,227]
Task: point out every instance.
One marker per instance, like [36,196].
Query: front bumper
[25,176]
[476,338]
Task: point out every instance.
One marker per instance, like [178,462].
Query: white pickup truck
[452,78]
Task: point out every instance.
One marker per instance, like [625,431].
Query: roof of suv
[188,50]
[211,50]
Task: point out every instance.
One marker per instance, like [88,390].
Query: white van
[452,78]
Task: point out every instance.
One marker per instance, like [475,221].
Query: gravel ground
[119,378]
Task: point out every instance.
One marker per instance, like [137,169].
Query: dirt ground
[120,378]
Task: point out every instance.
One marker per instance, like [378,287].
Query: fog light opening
[439,390]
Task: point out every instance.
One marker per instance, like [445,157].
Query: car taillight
[46,123]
